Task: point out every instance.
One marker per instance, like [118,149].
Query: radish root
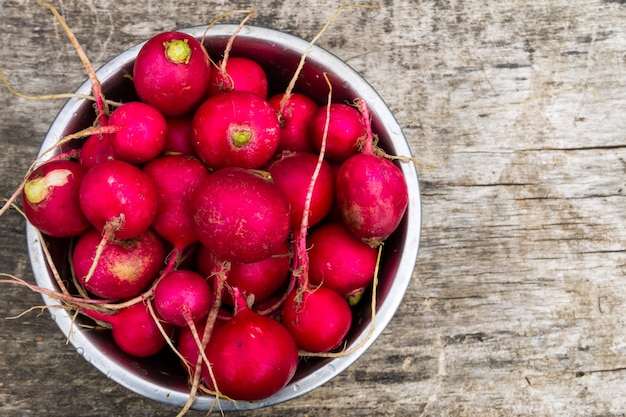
[55,96]
[250,12]
[101,106]
[307,51]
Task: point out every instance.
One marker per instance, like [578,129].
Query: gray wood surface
[517,111]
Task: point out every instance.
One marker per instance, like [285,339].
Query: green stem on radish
[178,51]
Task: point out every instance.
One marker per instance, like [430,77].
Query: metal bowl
[161,378]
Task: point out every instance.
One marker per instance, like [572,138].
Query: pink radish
[124,268]
[345,131]
[253,356]
[50,199]
[179,136]
[260,279]
[172,73]
[292,172]
[371,192]
[134,330]
[96,149]
[142,134]
[319,318]
[241,216]
[295,118]
[340,261]
[238,74]
[119,197]
[176,178]
[182,297]
[235,129]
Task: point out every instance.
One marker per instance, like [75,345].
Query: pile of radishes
[237,229]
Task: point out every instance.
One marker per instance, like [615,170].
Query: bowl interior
[160,377]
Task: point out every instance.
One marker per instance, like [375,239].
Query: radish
[50,199]
[319,319]
[119,197]
[182,297]
[295,118]
[292,172]
[258,279]
[238,74]
[172,73]
[241,216]
[235,129]
[340,261]
[134,330]
[345,131]
[371,192]
[178,136]
[372,197]
[142,134]
[176,178]
[253,356]
[96,149]
[123,269]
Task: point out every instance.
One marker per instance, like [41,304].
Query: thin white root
[308,49]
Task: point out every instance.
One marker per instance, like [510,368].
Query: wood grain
[516,111]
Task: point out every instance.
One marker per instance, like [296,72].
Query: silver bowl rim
[385,310]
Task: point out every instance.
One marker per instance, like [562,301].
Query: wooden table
[515,109]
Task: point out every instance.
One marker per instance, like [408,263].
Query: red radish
[134,330]
[340,261]
[372,197]
[371,191]
[50,199]
[319,319]
[182,297]
[172,73]
[179,136]
[124,268]
[176,178]
[260,279]
[292,172]
[96,149]
[118,196]
[253,356]
[345,131]
[142,134]
[235,129]
[240,215]
[239,74]
[295,118]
